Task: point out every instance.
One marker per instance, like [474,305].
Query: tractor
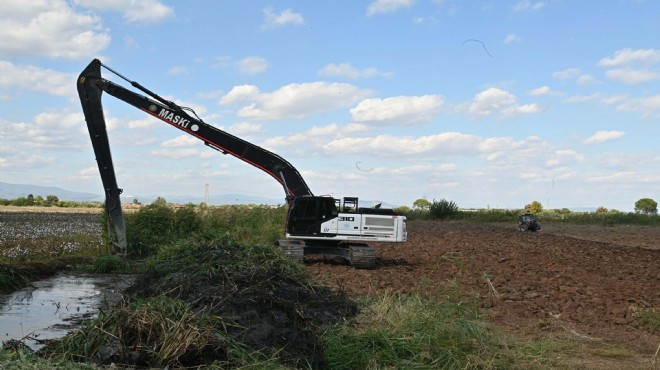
[527,222]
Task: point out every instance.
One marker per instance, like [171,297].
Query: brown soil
[585,282]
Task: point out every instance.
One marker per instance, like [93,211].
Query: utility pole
[206,194]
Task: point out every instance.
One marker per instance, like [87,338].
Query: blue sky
[485,103]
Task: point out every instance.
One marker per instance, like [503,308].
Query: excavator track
[293,249]
[362,257]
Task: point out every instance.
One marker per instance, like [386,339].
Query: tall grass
[426,331]
[414,332]
[158,224]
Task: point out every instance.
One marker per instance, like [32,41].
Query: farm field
[585,286]
[582,283]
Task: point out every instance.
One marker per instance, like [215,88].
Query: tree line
[48,201]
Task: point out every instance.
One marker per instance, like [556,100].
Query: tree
[421,203]
[38,200]
[646,206]
[159,202]
[403,209]
[534,207]
[601,209]
[52,200]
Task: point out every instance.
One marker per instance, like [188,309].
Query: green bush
[443,209]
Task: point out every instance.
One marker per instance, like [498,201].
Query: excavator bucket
[90,98]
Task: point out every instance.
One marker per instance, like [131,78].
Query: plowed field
[586,282]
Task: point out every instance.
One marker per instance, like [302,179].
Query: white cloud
[603,136]
[500,154]
[294,100]
[497,101]
[632,76]
[284,18]
[388,6]
[512,38]
[177,154]
[648,107]
[49,28]
[543,90]
[181,141]
[574,74]
[240,94]
[633,66]
[22,161]
[616,177]
[517,110]
[566,74]
[399,110]
[563,157]
[179,71]
[311,142]
[245,128]
[526,5]
[52,129]
[347,70]
[491,101]
[585,79]
[36,79]
[613,99]
[143,11]
[629,56]
[387,145]
[91,172]
[143,123]
[252,65]
[583,98]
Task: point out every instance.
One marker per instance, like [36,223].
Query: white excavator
[315,225]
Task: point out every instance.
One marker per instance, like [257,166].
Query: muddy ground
[583,281]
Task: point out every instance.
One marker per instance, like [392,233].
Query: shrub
[443,209]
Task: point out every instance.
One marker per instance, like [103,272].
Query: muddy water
[51,308]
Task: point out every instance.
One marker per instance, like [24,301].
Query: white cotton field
[30,235]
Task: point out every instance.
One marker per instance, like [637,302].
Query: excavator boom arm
[91,85]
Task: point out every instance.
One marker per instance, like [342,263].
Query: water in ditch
[51,308]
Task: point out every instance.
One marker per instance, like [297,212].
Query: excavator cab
[307,213]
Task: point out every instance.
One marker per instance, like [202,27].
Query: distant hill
[13,191]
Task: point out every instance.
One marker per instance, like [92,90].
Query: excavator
[315,225]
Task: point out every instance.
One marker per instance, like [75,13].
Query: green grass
[648,318]
[156,225]
[443,331]
[26,360]
[11,279]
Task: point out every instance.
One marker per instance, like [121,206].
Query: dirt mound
[272,309]
[526,281]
